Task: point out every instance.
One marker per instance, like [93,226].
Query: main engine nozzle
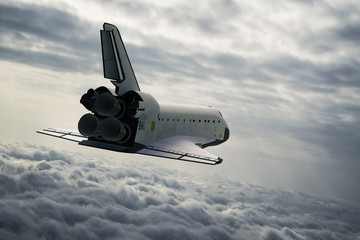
[112,129]
[88,99]
[89,125]
[107,105]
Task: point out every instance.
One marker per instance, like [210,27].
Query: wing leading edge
[70,135]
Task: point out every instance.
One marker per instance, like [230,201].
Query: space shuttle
[125,119]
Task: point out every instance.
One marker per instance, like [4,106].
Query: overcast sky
[285,75]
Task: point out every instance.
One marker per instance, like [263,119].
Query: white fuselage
[170,120]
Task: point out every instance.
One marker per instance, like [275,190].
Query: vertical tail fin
[116,62]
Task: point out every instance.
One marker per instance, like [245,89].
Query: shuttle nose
[226,134]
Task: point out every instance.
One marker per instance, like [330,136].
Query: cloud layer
[46,194]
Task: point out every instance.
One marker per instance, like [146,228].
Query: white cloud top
[46,194]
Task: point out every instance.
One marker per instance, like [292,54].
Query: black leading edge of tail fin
[116,63]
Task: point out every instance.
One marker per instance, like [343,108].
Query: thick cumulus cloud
[46,194]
